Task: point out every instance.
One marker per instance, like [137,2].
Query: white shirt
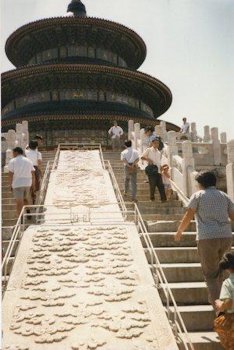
[116,131]
[22,169]
[33,155]
[130,155]
[185,128]
[154,155]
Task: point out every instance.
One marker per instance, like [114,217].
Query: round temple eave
[153,91]
[60,29]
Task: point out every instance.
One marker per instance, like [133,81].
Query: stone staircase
[9,216]
[179,260]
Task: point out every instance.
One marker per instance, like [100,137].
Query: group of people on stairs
[25,173]
[213,211]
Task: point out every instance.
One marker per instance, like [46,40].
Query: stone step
[166,239]
[9,222]
[182,272]
[8,200]
[7,232]
[7,206]
[161,217]
[175,254]
[9,214]
[175,212]
[148,204]
[5,245]
[204,341]
[197,317]
[187,293]
[167,226]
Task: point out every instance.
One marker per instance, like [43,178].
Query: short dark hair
[149,128]
[33,144]
[39,137]
[227,261]
[18,150]
[128,143]
[206,179]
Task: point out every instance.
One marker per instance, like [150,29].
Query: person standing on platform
[184,130]
[34,155]
[115,133]
[130,158]
[21,178]
[153,170]
[212,209]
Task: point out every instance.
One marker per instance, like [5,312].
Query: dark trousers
[156,181]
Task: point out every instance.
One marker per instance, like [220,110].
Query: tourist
[21,178]
[184,130]
[224,323]
[3,151]
[34,155]
[130,158]
[39,140]
[148,133]
[212,209]
[166,180]
[115,133]
[153,170]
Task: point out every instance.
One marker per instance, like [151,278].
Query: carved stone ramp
[86,284]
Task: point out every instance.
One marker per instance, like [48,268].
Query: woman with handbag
[224,323]
[130,158]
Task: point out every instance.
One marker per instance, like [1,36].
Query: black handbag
[151,169]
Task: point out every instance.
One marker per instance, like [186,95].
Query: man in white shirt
[185,129]
[130,158]
[115,132]
[153,156]
[21,178]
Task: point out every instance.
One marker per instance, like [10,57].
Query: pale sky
[190,48]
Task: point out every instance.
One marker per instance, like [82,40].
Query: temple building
[75,75]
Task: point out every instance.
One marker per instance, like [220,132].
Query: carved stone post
[137,128]
[193,132]
[223,137]
[130,129]
[19,134]
[206,137]
[172,147]
[157,130]
[11,143]
[187,166]
[163,131]
[142,137]
[216,146]
[25,138]
[230,169]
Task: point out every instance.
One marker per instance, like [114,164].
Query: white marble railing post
[223,137]
[163,131]
[157,130]
[187,166]
[130,129]
[230,169]
[172,148]
[19,134]
[142,137]
[206,137]
[216,146]
[25,137]
[137,128]
[11,143]
[193,132]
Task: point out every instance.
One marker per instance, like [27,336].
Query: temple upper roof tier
[37,37]
[152,92]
